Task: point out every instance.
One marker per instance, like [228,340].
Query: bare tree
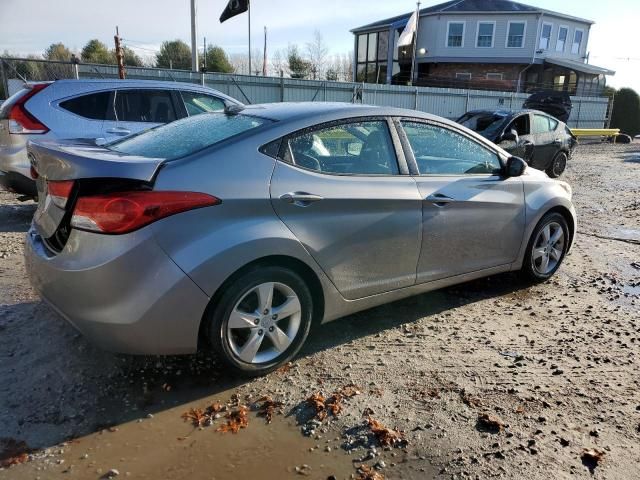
[346,67]
[240,62]
[317,52]
[279,63]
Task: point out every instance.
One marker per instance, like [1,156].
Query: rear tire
[558,165]
[261,320]
[547,248]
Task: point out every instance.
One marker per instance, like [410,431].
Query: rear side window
[197,103]
[542,124]
[357,148]
[150,106]
[186,136]
[93,106]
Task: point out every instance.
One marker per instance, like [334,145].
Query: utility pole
[249,19]
[194,35]
[119,55]
[264,57]
[204,54]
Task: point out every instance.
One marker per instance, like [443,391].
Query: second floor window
[515,35]
[563,33]
[577,42]
[485,34]
[545,36]
[455,34]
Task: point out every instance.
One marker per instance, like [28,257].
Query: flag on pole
[234,7]
[406,37]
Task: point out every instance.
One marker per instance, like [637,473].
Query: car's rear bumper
[18,183]
[121,291]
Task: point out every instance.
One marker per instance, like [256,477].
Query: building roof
[579,66]
[466,6]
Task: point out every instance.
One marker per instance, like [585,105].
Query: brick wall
[478,71]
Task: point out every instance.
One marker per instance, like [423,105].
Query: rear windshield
[186,136]
[485,123]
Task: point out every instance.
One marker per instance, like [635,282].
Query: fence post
[3,80]
[466,105]
[578,119]
[281,86]
[610,110]
[202,79]
[415,103]
[76,72]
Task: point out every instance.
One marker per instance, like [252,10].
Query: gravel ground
[493,378]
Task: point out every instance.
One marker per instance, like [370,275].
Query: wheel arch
[305,271]
[564,211]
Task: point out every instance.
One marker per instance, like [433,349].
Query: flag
[234,7]
[406,37]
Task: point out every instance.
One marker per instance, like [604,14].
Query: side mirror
[515,167]
[511,135]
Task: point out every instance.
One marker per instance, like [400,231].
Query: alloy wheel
[264,323]
[548,248]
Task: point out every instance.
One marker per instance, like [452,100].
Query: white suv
[91,109]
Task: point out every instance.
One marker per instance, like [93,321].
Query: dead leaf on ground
[334,404]
[350,390]
[469,400]
[13,452]
[490,423]
[365,472]
[266,407]
[376,391]
[285,368]
[591,458]
[316,401]
[520,409]
[236,419]
[197,416]
[384,435]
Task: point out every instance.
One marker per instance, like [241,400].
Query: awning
[579,66]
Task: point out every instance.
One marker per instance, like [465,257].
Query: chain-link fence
[588,112]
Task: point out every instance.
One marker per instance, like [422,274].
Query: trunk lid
[83,163]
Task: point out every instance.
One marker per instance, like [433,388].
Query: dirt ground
[494,378]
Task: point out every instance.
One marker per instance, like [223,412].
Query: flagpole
[249,16]
[415,43]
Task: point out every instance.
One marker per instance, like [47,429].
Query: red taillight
[21,121]
[59,192]
[123,212]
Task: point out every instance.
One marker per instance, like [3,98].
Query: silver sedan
[238,230]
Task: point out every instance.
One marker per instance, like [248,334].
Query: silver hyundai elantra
[238,230]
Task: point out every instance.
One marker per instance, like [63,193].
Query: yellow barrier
[595,132]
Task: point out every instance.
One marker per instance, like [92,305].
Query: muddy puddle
[166,447]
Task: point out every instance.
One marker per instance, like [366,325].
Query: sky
[29,26]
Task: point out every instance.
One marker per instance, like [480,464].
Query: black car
[542,141]
[556,104]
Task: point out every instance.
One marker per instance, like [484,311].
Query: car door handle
[439,199]
[119,131]
[301,199]
[557,142]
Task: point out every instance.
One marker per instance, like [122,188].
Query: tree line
[311,61]
[626,110]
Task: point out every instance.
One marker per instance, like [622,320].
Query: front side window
[563,32]
[455,34]
[186,136]
[197,103]
[577,42]
[151,106]
[440,151]
[362,48]
[485,34]
[541,124]
[515,35]
[355,148]
[545,36]
[93,106]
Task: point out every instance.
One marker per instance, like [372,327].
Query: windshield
[485,123]
[186,136]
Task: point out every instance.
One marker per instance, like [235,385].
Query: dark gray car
[238,230]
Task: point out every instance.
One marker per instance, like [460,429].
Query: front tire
[547,248]
[558,165]
[261,320]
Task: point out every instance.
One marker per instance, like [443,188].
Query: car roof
[285,111]
[100,83]
[508,113]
